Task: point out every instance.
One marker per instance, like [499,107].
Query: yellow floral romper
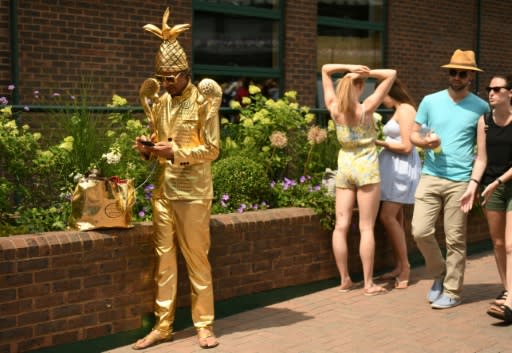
[358,162]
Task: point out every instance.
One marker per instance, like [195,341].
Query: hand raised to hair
[355,76]
[362,70]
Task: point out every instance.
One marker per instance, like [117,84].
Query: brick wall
[63,287]
[61,41]
[495,45]
[300,50]
[5,62]
[422,36]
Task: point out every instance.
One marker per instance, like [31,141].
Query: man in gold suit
[186,138]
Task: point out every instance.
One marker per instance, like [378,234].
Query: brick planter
[62,287]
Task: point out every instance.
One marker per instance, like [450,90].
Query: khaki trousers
[432,195]
[184,224]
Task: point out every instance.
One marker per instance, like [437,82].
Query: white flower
[77,176]
[113,157]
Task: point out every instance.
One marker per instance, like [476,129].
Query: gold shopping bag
[102,203]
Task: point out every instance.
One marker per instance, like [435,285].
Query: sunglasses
[455,73]
[495,89]
[169,79]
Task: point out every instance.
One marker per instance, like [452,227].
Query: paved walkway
[330,322]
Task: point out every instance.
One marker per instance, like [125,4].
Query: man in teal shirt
[445,127]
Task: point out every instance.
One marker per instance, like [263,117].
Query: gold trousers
[184,224]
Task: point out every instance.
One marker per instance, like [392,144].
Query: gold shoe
[206,338]
[151,339]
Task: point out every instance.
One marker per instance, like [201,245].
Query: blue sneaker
[445,302]
[436,290]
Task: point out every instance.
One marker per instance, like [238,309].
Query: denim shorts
[501,199]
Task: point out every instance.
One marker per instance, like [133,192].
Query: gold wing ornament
[211,90]
[148,94]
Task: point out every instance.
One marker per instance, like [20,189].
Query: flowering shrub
[240,185]
[30,176]
[288,143]
[305,192]
[36,182]
[274,156]
[274,133]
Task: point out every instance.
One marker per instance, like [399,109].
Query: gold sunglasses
[169,79]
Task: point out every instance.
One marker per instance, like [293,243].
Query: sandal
[508,314]
[500,299]
[206,338]
[151,339]
[497,311]
[401,284]
[501,312]
[378,291]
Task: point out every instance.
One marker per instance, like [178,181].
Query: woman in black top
[497,182]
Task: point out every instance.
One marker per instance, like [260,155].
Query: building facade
[64,48]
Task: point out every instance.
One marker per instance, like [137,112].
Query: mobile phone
[147,143]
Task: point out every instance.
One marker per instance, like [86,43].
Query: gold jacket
[191,123]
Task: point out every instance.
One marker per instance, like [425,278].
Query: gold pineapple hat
[170,57]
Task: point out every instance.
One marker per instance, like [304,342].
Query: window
[350,31]
[234,40]
[360,10]
[265,4]
[238,41]
[349,45]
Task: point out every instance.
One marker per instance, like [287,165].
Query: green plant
[274,140]
[38,219]
[292,147]
[305,192]
[272,132]
[30,175]
[36,182]
[240,184]
[17,143]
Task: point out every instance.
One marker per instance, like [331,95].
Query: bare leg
[368,201]
[345,199]
[508,250]
[391,217]
[496,221]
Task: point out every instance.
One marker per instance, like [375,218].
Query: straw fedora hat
[463,60]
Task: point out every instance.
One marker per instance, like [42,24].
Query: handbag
[102,203]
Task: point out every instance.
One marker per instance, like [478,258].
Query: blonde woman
[358,169]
